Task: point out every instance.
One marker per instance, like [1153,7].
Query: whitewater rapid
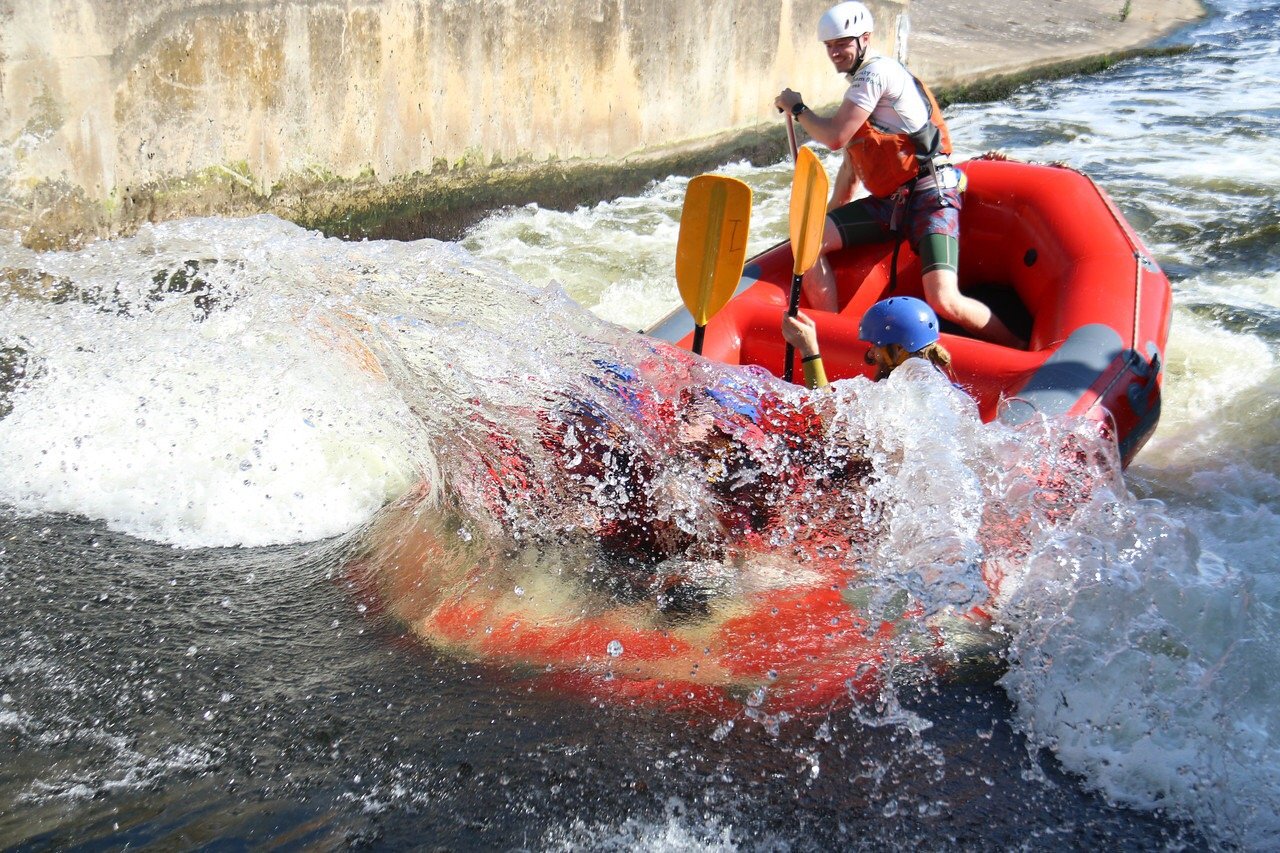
[243,383]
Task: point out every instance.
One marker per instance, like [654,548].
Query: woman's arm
[801,333]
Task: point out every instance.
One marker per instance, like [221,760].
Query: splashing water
[244,383]
[249,383]
[187,386]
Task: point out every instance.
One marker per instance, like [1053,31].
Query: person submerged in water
[897,328]
[748,447]
[657,474]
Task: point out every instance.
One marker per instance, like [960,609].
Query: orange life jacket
[886,161]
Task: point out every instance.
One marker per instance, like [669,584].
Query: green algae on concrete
[1002,86]
[442,205]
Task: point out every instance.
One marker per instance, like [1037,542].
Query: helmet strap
[862,55]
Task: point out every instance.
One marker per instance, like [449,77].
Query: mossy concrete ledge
[117,112]
[414,118]
[444,205]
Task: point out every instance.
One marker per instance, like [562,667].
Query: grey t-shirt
[885,88]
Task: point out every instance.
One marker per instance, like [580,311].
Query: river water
[199,424]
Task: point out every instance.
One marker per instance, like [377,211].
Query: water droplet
[773,674]
[191,651]
[614,649]
[519,592]
[756,699]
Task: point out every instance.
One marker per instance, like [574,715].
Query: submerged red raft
[1048,251]
[780,637]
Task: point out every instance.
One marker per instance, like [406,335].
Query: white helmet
[843,20]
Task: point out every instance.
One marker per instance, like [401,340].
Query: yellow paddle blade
[712,244]
[808,210]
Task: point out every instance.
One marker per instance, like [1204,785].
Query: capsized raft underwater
[778,639]
[1047,250]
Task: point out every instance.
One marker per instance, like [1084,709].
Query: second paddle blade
[808,209]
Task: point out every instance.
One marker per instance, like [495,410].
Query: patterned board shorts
[868,220]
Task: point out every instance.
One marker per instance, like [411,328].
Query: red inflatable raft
[782,638]
[1048,250]
[791,622]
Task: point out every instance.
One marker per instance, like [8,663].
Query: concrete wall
[102,98]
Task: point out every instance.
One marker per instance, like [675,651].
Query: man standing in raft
[896,144]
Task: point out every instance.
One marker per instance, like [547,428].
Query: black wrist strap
[809,358]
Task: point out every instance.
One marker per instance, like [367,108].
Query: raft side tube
[678,324]
[1067,376]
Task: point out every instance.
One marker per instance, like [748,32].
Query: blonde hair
[935,352]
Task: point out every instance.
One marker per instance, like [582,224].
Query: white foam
[1145,667]
[245,428]
[1202,383]
[126,770]
[683,828]
[618,257]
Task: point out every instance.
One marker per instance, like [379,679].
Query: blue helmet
[903,320]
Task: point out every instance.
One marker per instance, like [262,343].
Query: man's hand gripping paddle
[712,246]
[808,218]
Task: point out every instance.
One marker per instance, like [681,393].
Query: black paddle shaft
[699,332]
[793,308]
